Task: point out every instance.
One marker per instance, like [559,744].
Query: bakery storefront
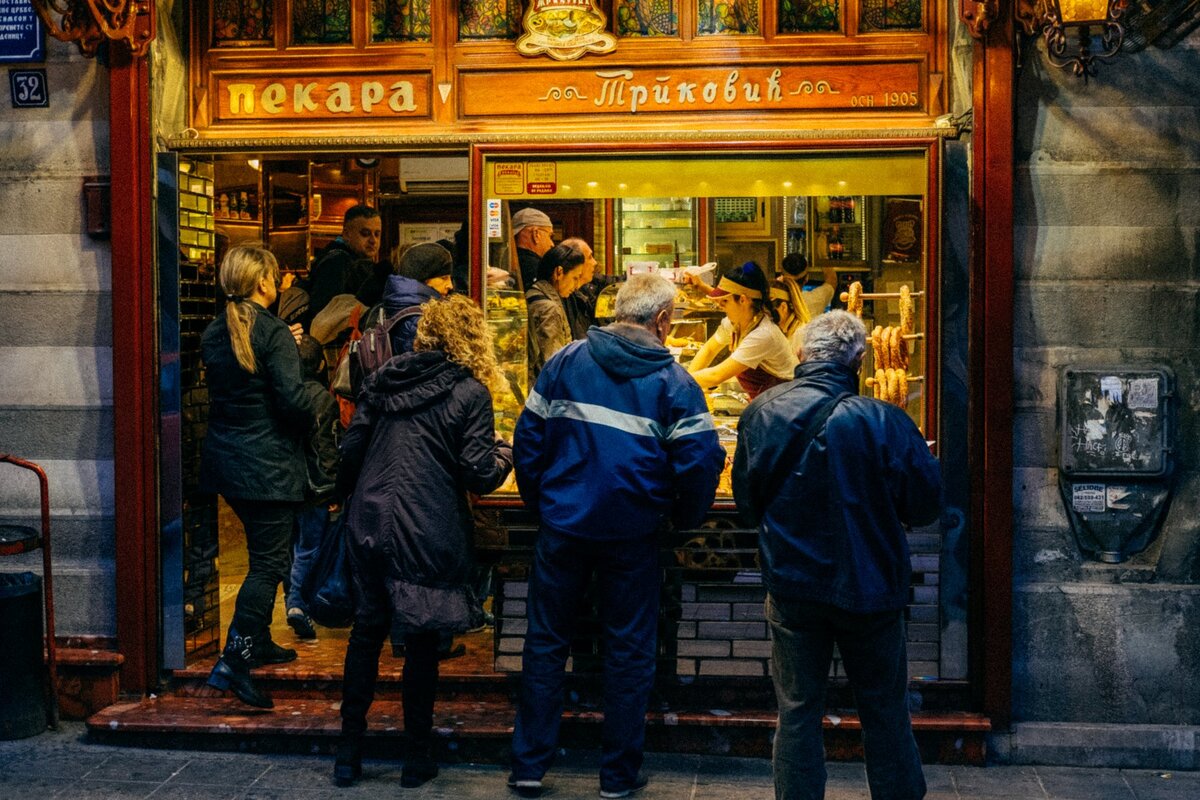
[671,135]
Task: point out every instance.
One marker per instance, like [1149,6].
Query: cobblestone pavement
[65,765]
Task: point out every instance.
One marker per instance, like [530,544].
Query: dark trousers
[268,527]
[874,654]
[362,671]
[628,579]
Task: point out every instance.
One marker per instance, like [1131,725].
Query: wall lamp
[1096,25]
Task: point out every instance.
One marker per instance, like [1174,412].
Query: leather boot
[419,766]
[265,651]
[347,765]
[232,671]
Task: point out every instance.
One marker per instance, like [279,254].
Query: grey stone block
[513,608]
[731,667]
[1103,314]
[81,319]
[925,542]
[752,649]
[926,595]
[926,563]
[1122,654]
[685,666]
[66,262]
[1048,194]
[511,644]
[1035,438]
[703,647]
[62,434]
[1037,502]
[686,630]
[923,614]
[923,651]
[732,594]
[514,627]
[1158,747]
[732,630]
[508,663]
[78,538]
[922,633]
[687,592]
[923,669]
[56,377]
[709,611]
[517,589]
[752,612]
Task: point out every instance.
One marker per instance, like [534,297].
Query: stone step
[481,729]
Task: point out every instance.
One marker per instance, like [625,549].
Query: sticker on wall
[1088,498]
[494,226]
[541,177]
[509,177]
[564,29]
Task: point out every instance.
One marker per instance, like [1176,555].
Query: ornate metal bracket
[89,23]
[977,15]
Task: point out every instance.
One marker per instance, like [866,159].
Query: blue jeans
[311,523]
[874,654]
[628,579]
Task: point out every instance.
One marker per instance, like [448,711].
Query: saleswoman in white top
[759,354]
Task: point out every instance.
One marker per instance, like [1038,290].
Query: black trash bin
[22,668]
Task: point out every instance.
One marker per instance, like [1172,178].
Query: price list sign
[20,33]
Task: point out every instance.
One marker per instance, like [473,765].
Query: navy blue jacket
[615,439]
[400,293]
[835,531]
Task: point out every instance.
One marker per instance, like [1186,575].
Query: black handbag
[326,590]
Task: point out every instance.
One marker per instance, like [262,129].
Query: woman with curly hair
[422,437]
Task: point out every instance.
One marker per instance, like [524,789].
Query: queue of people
[606,402]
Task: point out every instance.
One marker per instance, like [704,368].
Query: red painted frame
[135,390]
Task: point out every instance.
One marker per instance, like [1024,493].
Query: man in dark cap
[533,233]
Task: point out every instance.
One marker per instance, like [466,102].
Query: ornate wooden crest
[564,29]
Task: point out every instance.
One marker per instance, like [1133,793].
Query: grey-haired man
[832,480]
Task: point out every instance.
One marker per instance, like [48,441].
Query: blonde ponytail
[241,270]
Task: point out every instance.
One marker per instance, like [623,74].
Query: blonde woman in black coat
[259,414]
[421,439]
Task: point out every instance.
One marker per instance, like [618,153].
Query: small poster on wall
[901,229]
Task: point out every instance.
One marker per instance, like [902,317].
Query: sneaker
[302,624]
[639,783]
[525,787]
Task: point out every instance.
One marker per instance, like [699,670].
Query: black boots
[347,767]
[232,671]
[265,651]
[419,766]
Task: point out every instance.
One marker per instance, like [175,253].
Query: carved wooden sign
[692,89]
[322,97]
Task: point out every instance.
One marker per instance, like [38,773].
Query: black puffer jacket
[257,423]
[421,438]
[835,531]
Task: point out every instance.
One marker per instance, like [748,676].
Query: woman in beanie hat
[421,274]
[759,354]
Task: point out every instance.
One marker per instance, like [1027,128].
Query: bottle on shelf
[675,263]
[848,210]
[834,244]
[835,209]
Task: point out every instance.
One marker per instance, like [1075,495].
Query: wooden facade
[689,80]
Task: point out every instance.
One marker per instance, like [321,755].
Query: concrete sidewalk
[65,765]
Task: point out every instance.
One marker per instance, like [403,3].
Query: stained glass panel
[400,21]
[727,16]
[489,19]
[241,21]
[890,15]
[321,22]
[809,16]
[646,17]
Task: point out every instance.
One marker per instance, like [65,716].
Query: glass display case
[507,320]
[655,233]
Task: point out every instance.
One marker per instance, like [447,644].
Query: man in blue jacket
[832,480]
[615,442]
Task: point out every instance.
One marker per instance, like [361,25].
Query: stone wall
[1107,272]
[55,335]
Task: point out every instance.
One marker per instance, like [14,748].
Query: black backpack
[374,349]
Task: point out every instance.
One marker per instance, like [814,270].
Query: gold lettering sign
[894,86]
[326,97]
[564,29]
